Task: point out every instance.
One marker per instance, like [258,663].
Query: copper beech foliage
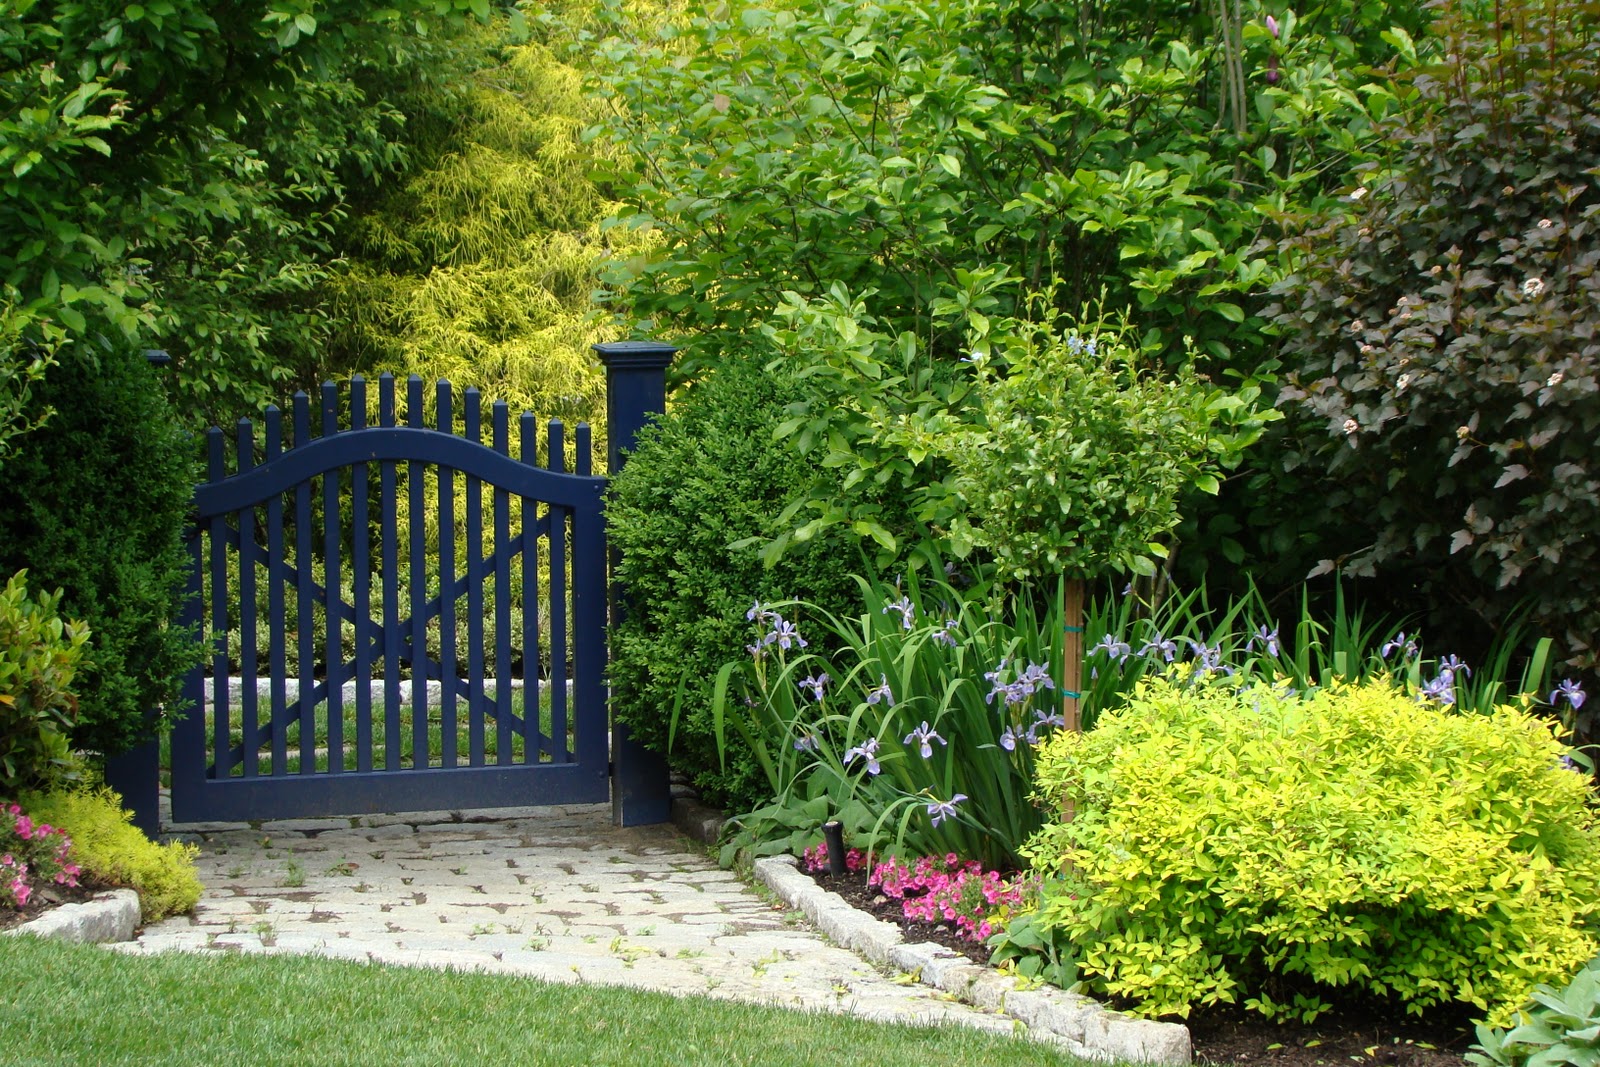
[1440,326]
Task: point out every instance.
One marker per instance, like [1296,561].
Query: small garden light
[833,834]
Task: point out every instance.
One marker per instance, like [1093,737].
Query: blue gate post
[636,391]
[136,776]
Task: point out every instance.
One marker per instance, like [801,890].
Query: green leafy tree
[171,172]
[479,265]
[898,146]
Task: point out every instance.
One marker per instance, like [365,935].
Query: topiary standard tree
[1442,322]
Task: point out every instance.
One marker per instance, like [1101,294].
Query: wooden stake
[1072,654]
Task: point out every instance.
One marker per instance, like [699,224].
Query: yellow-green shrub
[1245,844]
[109,848]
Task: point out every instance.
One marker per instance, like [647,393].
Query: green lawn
[73,1004]
[406,735]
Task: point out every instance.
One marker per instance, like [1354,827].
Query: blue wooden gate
[388,657]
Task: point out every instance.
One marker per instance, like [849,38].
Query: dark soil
[46,899]
[1379,1037]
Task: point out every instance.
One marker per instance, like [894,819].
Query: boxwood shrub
[707,476]
[1252,845]
[93,504]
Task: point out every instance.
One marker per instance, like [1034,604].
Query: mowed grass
[77,1004]
[404,737]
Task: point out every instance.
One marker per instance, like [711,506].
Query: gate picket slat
[391,588]
[277,610]
[589,614]
[447,599]
[216,466]
[534,741]
[502,598]
[557,536]
[361,565]
[474,433]
[249,710]
[416,524]
[333,586]
[305,595]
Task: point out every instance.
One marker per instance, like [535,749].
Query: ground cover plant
[1246,843]
[64,1002]
[1559,1026]
[105,849]
[34,856]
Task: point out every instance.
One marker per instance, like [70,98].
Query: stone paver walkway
[554,893]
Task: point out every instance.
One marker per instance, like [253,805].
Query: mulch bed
[47,899]
[1377,1037]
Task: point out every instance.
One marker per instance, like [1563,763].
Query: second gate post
[636,392]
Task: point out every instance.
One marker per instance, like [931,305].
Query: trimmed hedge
[94,503]
[707,475]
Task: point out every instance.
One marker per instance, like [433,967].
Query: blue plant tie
[1068,693]
[1072,629]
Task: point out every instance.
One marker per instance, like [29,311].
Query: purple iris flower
[1157,643]
[907,612]
[883,692]
[1569,691]
[1113,647]
[923,736]
[815,683]
[867,750]
[946,809]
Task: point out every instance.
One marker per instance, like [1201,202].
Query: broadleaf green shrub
[704,477]
[899,146]
[95,506]
[1253,845]
[39,655]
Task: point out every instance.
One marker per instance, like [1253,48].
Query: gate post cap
[635,354]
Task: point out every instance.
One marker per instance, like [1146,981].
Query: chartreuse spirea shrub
[39,655]
[1282,850]
[112,851]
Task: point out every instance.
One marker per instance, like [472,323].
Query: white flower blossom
[1533,287]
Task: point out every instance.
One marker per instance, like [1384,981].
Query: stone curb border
[111,916]
[1084,1026]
